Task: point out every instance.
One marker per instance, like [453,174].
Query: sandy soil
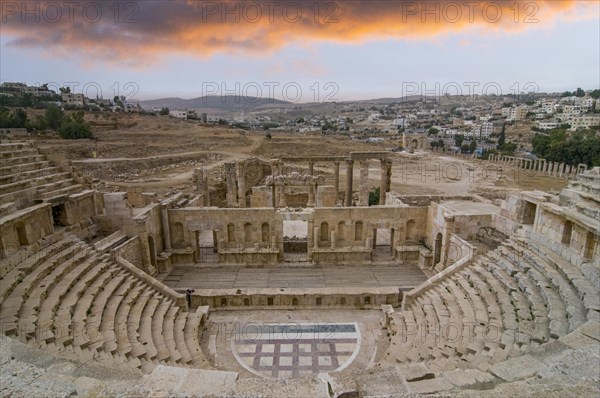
[159,153]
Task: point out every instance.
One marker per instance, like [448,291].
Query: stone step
[179,336]
[502,297]
[7,208]
[146,335]
[21,160]
[115,327]
[39,182]
[133,325]
[69,190]
[28,175]
[95,307]
[158,331]
[110,241]
[168,328]
[73,306]
[192,336]
[30,309]
[49,307]
[24,167]
[483,289]
[12,276]
[56,185]
[14,146]
[568,293]
[11,306]
[582,278]
[16,153]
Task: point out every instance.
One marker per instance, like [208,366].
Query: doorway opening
[59,215]
[207,246]
[382,244]
[295,241]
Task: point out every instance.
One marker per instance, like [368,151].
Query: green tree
[74,127]
[54,117]
[458,140]
[20,118]
[473,146]
[15,119]
[502,136]
[39,123]
[433,131]
[374,196]
[164,111]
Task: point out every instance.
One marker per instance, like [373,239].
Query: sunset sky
[363,49]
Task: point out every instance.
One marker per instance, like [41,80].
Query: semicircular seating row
[72,300]
[518,296]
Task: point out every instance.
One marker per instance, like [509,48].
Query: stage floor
[404,277]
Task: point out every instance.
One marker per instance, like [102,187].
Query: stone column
[281,187]
[274,188]
[311,195]
[349,178]
[386,168]
[316,237]
[201,181]
[241,184]
[311,187]
[363,193]
[333,239]
[166,229]
[336,179]
[231,185]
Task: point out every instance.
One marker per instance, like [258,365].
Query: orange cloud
[136,33]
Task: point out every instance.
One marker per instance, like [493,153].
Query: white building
[585,122]
[487,129]
[550,106]
[178,114]
[213,118]
[39,91]
[182,114]
[73,99]
[549,125]
[518,113]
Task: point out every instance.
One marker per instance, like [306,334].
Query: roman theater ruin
[296,282]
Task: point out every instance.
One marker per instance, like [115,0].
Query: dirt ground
[159,154]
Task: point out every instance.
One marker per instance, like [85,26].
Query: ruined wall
[408,223]
[243,235]
[24,228]
[549,224]
[81,207]
[117,213]
[467,227]
[131,251]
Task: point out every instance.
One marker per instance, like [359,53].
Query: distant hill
[216,103]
